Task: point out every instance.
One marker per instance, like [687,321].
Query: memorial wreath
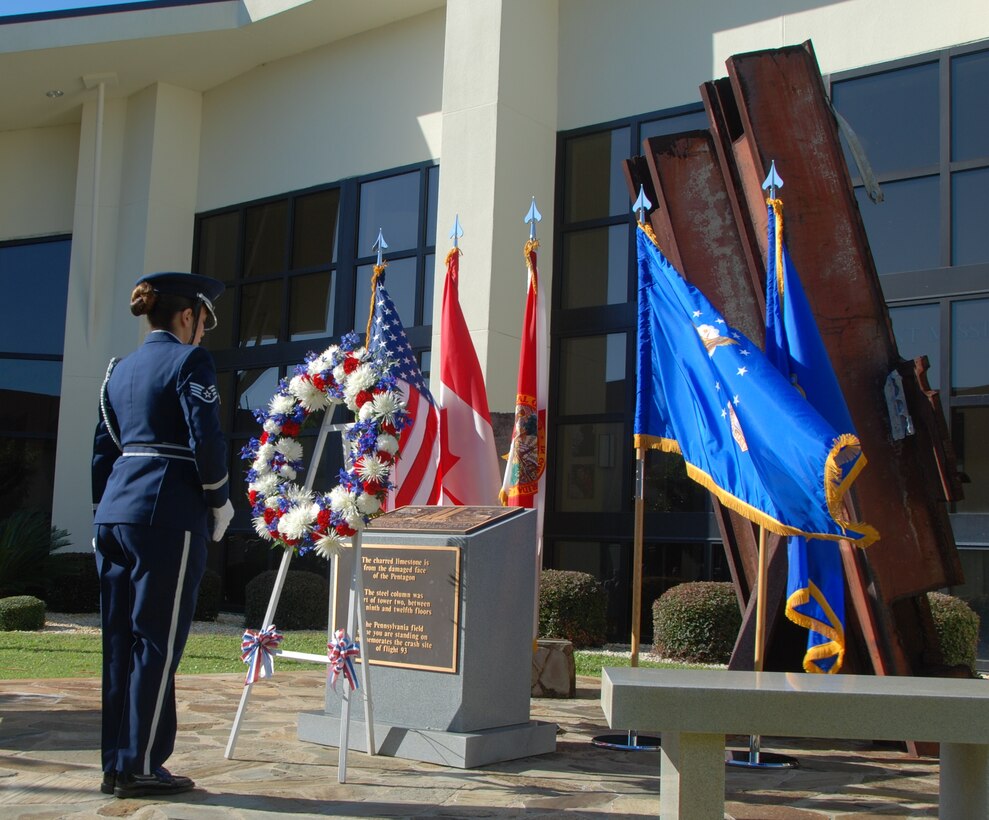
[303,520]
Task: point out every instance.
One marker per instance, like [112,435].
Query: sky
[11,7]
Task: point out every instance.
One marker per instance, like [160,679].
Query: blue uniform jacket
[163,405]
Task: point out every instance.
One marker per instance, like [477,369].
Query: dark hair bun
[143,299]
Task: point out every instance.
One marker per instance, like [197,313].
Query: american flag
[416,474]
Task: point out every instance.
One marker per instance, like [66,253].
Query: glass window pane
[592,374]
[391,204]
[969,347]
[425,367]
[311,306]
[975,591]
[674,125]
[264,243]
[969,237]
[429,282]
[27,474]
[29,396]
[969,113]
[315,230]
[37,323]
[432,197]
[594,181]
[667,488]
[969,434]
[222,336]
[400,282]
[590,466]
[894,115]
[260,313]
[917,329]
[595,267]
[254,389]
[903,230]
[218,246]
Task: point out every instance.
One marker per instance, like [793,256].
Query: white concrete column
[498,150]
[692,776]
[146,199]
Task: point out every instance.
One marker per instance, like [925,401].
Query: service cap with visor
[202,290]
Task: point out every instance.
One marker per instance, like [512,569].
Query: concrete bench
[693,710]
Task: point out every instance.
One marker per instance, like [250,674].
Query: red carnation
[388,427]
[318,382]
[362,398]
[264,438]
[385,456]
[344,530]
[269,515]
[290,428]
[350,364]
[323,518]
[372,487]
[252,496]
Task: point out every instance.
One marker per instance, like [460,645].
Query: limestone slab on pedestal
[463,750]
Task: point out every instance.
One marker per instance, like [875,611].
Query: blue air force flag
[815,578]
[705,391]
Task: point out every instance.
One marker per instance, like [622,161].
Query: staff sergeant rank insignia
[206,394]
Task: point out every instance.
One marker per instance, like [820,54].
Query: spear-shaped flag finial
[457,231]
[531,218]
[379,245]
[772,180]
[642,204]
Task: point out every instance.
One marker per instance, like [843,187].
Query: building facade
[266,143]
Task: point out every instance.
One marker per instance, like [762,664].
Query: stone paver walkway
[49,766]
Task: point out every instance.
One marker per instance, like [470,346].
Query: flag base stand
[755,758]
[630,742]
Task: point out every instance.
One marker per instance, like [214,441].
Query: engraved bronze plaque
[456,520]
[411,604]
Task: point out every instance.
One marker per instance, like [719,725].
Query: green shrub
[957,627]
[21,612]
[572,607]
[697,622]
[208,603]
[304,602]
[74,586]
[27,541]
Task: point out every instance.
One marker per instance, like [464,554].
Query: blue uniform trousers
[149,580]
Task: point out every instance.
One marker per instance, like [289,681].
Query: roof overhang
[194,45]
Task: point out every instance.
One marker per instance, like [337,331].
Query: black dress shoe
[109,781]
[159,782]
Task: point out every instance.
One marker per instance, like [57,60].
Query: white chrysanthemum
[386,405]
[368,504]
[361,352]
[271,502]
[281,404]
[295,522]
[387,443]
[341,498]
[261,466]
[350,392]
[366,412]
[323,360]
[364,376]
[266,451]
[339,374]
[287,472]
[261,528]
[297,495]
[309,396]
[328,545]
[272,427]
[354,518]
[373,468]
[265,484]
[290,448]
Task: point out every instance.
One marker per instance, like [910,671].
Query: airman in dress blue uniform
[159,482]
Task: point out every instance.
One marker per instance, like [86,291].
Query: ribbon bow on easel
[257,650]
[341,650]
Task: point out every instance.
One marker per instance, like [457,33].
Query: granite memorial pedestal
[449,600]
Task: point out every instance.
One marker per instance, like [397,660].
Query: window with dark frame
[297,269]
[32,341]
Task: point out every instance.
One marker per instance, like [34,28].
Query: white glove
[221,519]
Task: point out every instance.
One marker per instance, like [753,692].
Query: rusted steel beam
[785,116]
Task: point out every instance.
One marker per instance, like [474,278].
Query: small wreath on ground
[286,513]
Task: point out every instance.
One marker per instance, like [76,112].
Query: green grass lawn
[75,655]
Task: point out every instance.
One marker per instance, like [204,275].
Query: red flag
[525,476]
[468,461]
